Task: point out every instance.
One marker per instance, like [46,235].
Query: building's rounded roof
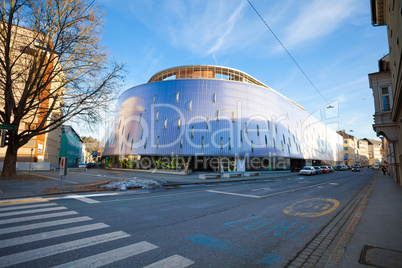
[205,71]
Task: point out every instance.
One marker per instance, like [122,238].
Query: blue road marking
[246,219]
[299,230]
[250,226]
[281,226]
[237,250]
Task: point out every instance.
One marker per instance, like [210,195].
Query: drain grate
[380,257]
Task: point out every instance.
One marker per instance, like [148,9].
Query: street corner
[313,207]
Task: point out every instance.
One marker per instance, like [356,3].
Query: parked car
[307,170]
[324,169]
[331,169]
[317,170]
[339,167]
[375,166]
[82,165]
[355,168]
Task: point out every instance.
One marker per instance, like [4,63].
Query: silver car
[307,170]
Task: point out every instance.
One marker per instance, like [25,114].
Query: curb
[327,247]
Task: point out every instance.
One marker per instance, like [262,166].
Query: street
[263,223]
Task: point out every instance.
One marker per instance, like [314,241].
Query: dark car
[356,168]
[339,167]
[317,170]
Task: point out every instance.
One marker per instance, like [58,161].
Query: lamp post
[30,161]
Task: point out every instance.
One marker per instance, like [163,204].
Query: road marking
[84,199]
[52,234]
[38,217]
[259,189]
[29,206]
[30,211]
[333,183]
[313,207]
[34,254]
[111,256]
[241,251]
[18,201]
[176,261]
[42,225]
[221,192]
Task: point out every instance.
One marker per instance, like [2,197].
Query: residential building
[363,151]
[71,145]
[387,83]
[215,117]
[374,151]
[43,150]
[350,153]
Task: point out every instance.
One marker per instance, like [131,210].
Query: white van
[376,166]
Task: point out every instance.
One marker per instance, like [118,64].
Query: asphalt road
[250,224]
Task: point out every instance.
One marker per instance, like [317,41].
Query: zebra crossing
[51,222]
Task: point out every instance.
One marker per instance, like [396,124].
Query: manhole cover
[380,257]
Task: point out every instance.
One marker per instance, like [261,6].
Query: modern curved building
[210,115]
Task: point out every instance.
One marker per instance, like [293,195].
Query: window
[181,141]
[202,142]
[345,141]
[139,120]
[273,139]
[128,135]
[258,130]
[157,115]
[276,129]
[282,145]
[157,142]
[178,122]
[233,117]
[346,148]
[230,146]
[132,142]
[245,127]
[252,146]
[154,99]
[177,96]
[221,142]
[207,122]
[190,105]
[145,144]
[192,132]
[269,125]
[241,135]
[214,98]
[217,115]
[385,99]
[142,133]
[284,141]
[266,140]
[165,124]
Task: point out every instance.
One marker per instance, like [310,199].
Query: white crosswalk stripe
[29,206]
[176,261]
[30,211]
[111,256]
[42,225]
[51,234]
[21,233]
[38,217]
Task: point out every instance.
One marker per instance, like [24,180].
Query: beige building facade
[387,84]
[43,150]
[363,152]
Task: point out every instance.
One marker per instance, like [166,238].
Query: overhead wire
[290,55]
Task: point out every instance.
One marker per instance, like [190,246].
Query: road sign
[9,127]
[63,166]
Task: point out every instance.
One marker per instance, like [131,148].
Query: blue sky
[332,40]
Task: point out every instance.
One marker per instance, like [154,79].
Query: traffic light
[5,137]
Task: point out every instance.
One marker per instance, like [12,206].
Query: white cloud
[320,18]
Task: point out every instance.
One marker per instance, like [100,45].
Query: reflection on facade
[207,116]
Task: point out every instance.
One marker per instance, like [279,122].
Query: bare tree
[53,68]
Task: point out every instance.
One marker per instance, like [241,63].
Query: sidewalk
[380,226]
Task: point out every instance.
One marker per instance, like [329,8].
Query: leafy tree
[53,68]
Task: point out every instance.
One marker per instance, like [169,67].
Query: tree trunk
[10,161]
